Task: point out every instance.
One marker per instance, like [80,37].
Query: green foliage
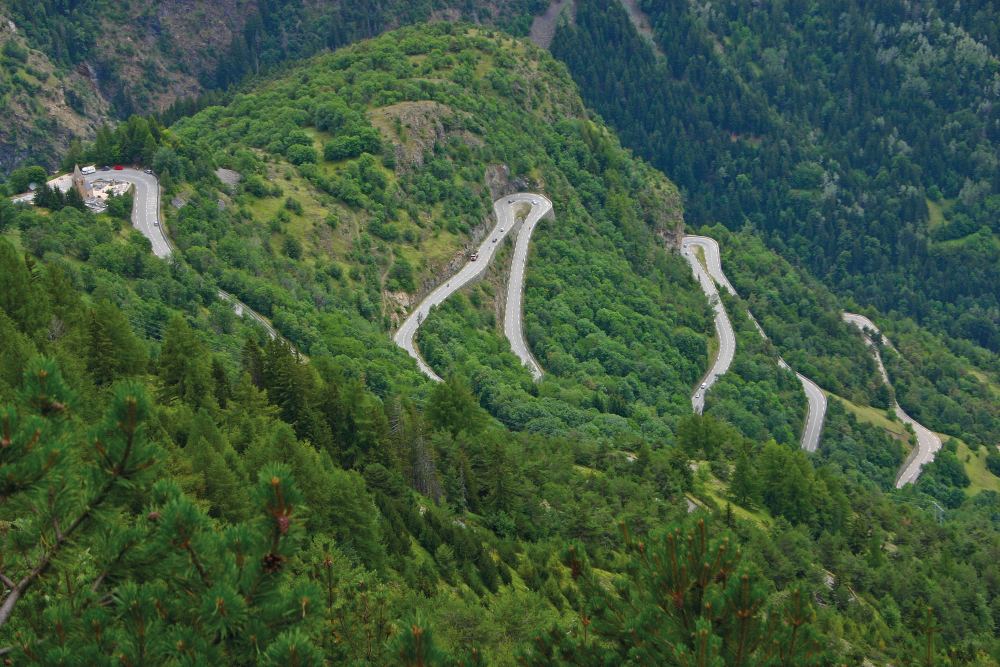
[121,206]
[860,450]
[451,406]
[742,107]
[183,369]
[745,487]
[135,141]
[21,297]
[437,515]
[758,397]
[682,598]
[993,462]
[19,179]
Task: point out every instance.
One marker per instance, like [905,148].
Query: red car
[118,167]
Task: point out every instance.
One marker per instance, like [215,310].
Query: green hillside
[180,489]
[827,128]
[366,170]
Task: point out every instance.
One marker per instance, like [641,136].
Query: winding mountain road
[513,321]
[815,397]
[723,327]
[146,206]
[928,443]
[506,209]
[146,218]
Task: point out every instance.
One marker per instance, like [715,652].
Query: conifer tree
[743,486]
[59,484]
[220,381]
[414,646]
[184,366]
[253,362]
[20,294]
[100,351]
[74,199]
[684,598]
[86,578]
[221,472]
[249,416]
[452,406]
[7,211]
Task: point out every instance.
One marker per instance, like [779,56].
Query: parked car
[474,256]
[501,230]
[118,167]
[105,168]
[494,240]
[148,171]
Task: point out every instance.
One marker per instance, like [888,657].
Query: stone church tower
[81,185]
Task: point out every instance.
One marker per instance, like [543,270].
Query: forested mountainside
[65,67]
[179,487]
[860,139]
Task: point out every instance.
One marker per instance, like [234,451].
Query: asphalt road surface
[506,209]
[723,327]
[514,312]
[928,443]
[145,209]
[727,340]
[242,309]
[146,218]
[815,415]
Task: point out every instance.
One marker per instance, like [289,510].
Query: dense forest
[859,139]
[180,488]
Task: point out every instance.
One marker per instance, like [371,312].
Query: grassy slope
[875,416]
[975,467]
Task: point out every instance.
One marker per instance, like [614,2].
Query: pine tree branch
[11,599]
[118,559]
[197,564]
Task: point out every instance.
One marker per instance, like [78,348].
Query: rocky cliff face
[148,55]
[43,107]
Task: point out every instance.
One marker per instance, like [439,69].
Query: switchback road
[727,339]
[928,443]
[506,209]
[533,207]
[723,327]
[513,325]
[146,218]
[146,206]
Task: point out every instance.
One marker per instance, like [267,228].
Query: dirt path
[543,29]
[641,23]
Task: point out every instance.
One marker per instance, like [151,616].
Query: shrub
[299,154]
